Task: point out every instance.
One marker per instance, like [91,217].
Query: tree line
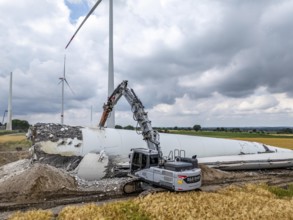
[17,125]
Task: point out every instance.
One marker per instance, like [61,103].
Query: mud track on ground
[279,177]
[54,199]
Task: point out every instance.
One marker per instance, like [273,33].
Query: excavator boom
[150,135]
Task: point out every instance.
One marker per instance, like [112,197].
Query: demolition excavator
[148,165]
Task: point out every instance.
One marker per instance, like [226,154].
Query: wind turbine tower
[9,120]
[111,120]
[62,96]
[62,80]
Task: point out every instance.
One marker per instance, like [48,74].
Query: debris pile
[62,134]
[34,182]
[67,163]
[13,169]
[54,132]
[104,185]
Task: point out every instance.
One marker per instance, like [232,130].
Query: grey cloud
[254,37]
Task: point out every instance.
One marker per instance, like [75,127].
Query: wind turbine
[4,116]
[111,120]
[62,80]
[9,111]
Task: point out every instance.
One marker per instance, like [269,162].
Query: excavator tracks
[132,185]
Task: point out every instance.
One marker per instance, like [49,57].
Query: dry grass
[12,141]
[32,215]
[278,142]
[125,210]
[12,138]
[248,202]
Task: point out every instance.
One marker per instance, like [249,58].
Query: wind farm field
[274,141]
[280,140]
[13,147]
[267,193]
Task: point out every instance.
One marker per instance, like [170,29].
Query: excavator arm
[150,135]
[111,102]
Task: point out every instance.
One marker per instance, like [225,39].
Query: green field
[229,134]
[278,140]
[10,139]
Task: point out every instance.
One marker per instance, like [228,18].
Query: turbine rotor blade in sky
[84,20]
[68,86]
[111,121]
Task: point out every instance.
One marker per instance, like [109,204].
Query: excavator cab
[142,158]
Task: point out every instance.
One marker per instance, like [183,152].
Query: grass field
[229,134]
[12,137]
[11,141]
[278,140]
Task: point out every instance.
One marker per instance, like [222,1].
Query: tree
[196,127]
[285,131]
[235,130]
[21,125]
[129,127]
[118,127]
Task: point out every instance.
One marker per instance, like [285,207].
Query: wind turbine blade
[69,86]
[91,11]
[64,66]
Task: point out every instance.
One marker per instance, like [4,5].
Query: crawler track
[131,186]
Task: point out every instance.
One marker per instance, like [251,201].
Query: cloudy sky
[208,62]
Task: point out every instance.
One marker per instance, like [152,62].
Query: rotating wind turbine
[62,80]
[111,120]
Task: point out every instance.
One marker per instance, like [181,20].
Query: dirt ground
[24,185]
[11,156]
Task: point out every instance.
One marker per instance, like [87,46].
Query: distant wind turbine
[9,120]
[62,80]
[111,120]
[4,116]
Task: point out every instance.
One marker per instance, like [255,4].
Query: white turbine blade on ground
[91,11]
